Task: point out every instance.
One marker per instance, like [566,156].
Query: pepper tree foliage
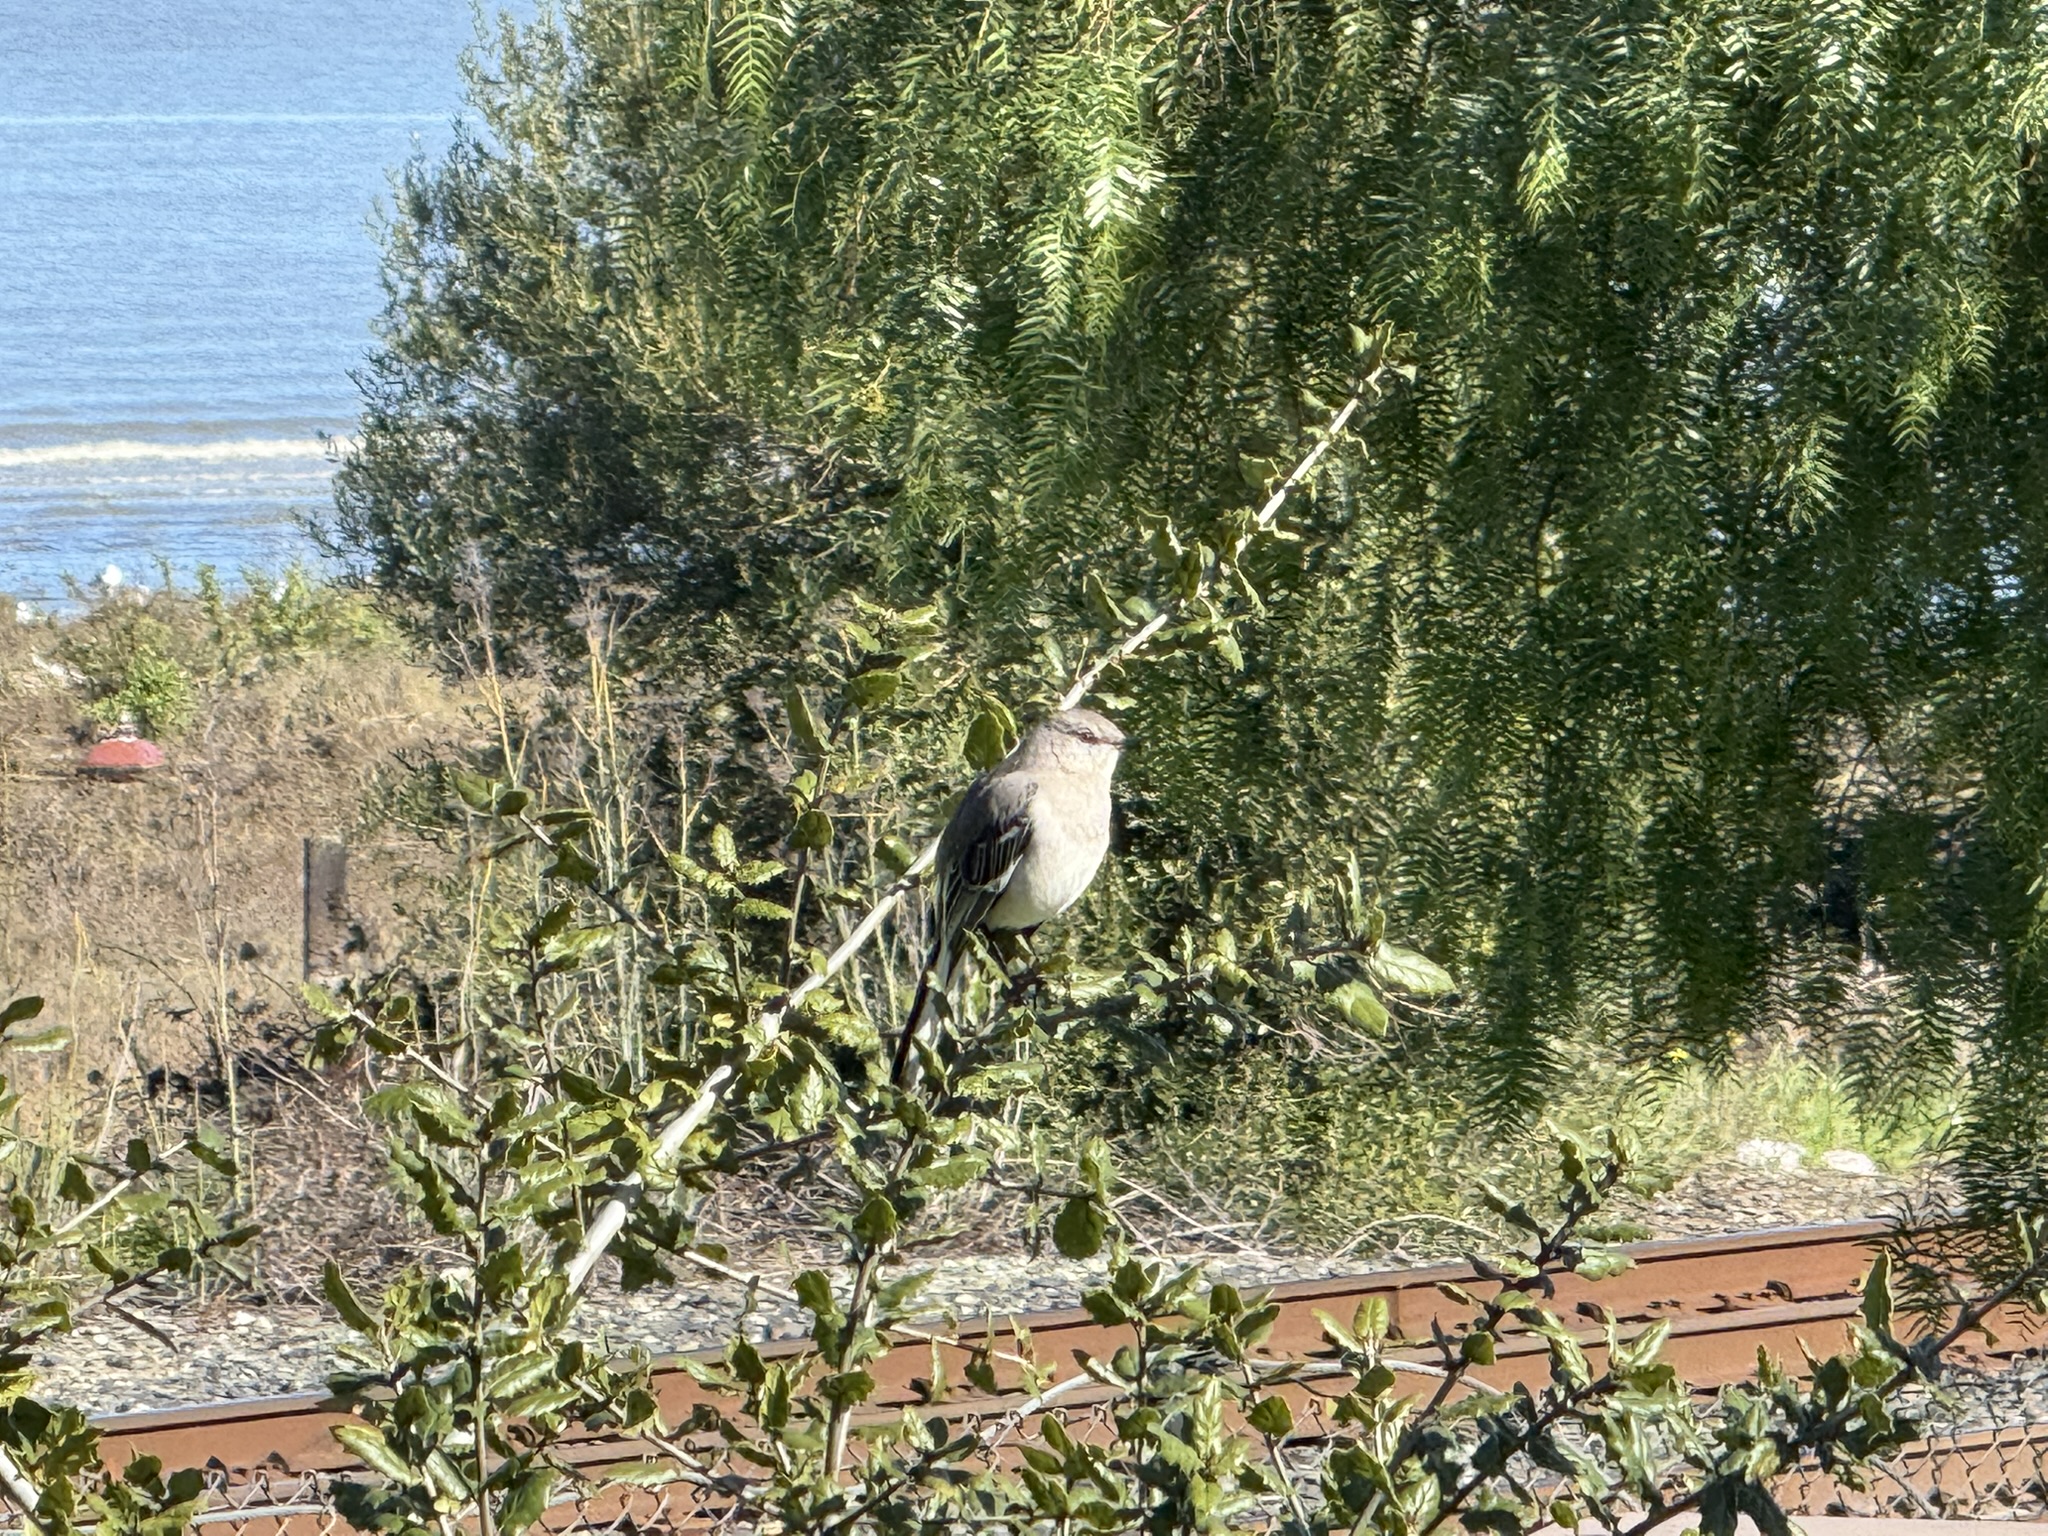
[1669,652]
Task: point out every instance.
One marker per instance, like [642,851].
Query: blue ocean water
[187,269]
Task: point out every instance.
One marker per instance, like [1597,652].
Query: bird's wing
[978,854]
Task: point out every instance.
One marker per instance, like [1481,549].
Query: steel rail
[1724,1297]
[1783,1291]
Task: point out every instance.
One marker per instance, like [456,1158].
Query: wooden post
[325,905]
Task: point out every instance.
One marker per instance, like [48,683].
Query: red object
[124,756]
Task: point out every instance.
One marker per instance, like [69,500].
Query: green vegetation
[84,1233]
[151,658]
[534,1150]
[1553,494]
[1663,648]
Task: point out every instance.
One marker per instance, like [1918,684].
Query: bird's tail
[939,968]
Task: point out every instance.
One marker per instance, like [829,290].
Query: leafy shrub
[153,656]
[280,618]
[153,692]
[86,1245]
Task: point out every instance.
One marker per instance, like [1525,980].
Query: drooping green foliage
[1670,651]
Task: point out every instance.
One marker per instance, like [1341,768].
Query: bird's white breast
[1056,868]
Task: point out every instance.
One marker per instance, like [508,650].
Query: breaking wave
[130,450]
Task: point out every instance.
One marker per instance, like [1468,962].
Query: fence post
[324,892]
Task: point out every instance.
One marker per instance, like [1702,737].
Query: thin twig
[18,1488]
[611,1216]
[1142,636]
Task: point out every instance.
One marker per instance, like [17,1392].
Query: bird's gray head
[1086,728]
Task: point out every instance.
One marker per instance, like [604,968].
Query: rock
[1758,1152]
[1858,1164]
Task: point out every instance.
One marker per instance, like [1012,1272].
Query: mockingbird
[1022,847]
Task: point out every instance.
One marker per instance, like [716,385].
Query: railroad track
[1724,1298]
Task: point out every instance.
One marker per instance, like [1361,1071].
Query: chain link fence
[1999,1474]
[1982,1473]
[1987,1474]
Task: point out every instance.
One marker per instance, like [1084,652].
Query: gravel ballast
[241,1349]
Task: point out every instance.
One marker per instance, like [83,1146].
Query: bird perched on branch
[1024,844]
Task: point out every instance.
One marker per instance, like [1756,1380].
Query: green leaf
[1361,1005]
[370,1447]
[1602,1263]
[644,1474]
[140,1158]
[760,910]
[572,865]
[527,1500]
[1079,1228]
[813,1291]
[512,802]
[565,952]
[1477,1347]
[322,1003]
[813,831]
[20,1009]
[51,1037]
[218,1158]
[1877,1294]
[987,741]
[696,874]
[474,789]
[1336,1332]
[811,1100]
[1094,1165]
[896,854]
[955,1172]
[551,922]
[746,1362]
[869,689]
[334,1285]
[75,1186]
[1101,604]
[499,1276]
[849,1389]
[725,852]
[1271,1417]
[1176,1452]
[803,720]
[1409,970]
[876,1223]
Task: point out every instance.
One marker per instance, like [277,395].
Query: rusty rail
[1725,1298]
